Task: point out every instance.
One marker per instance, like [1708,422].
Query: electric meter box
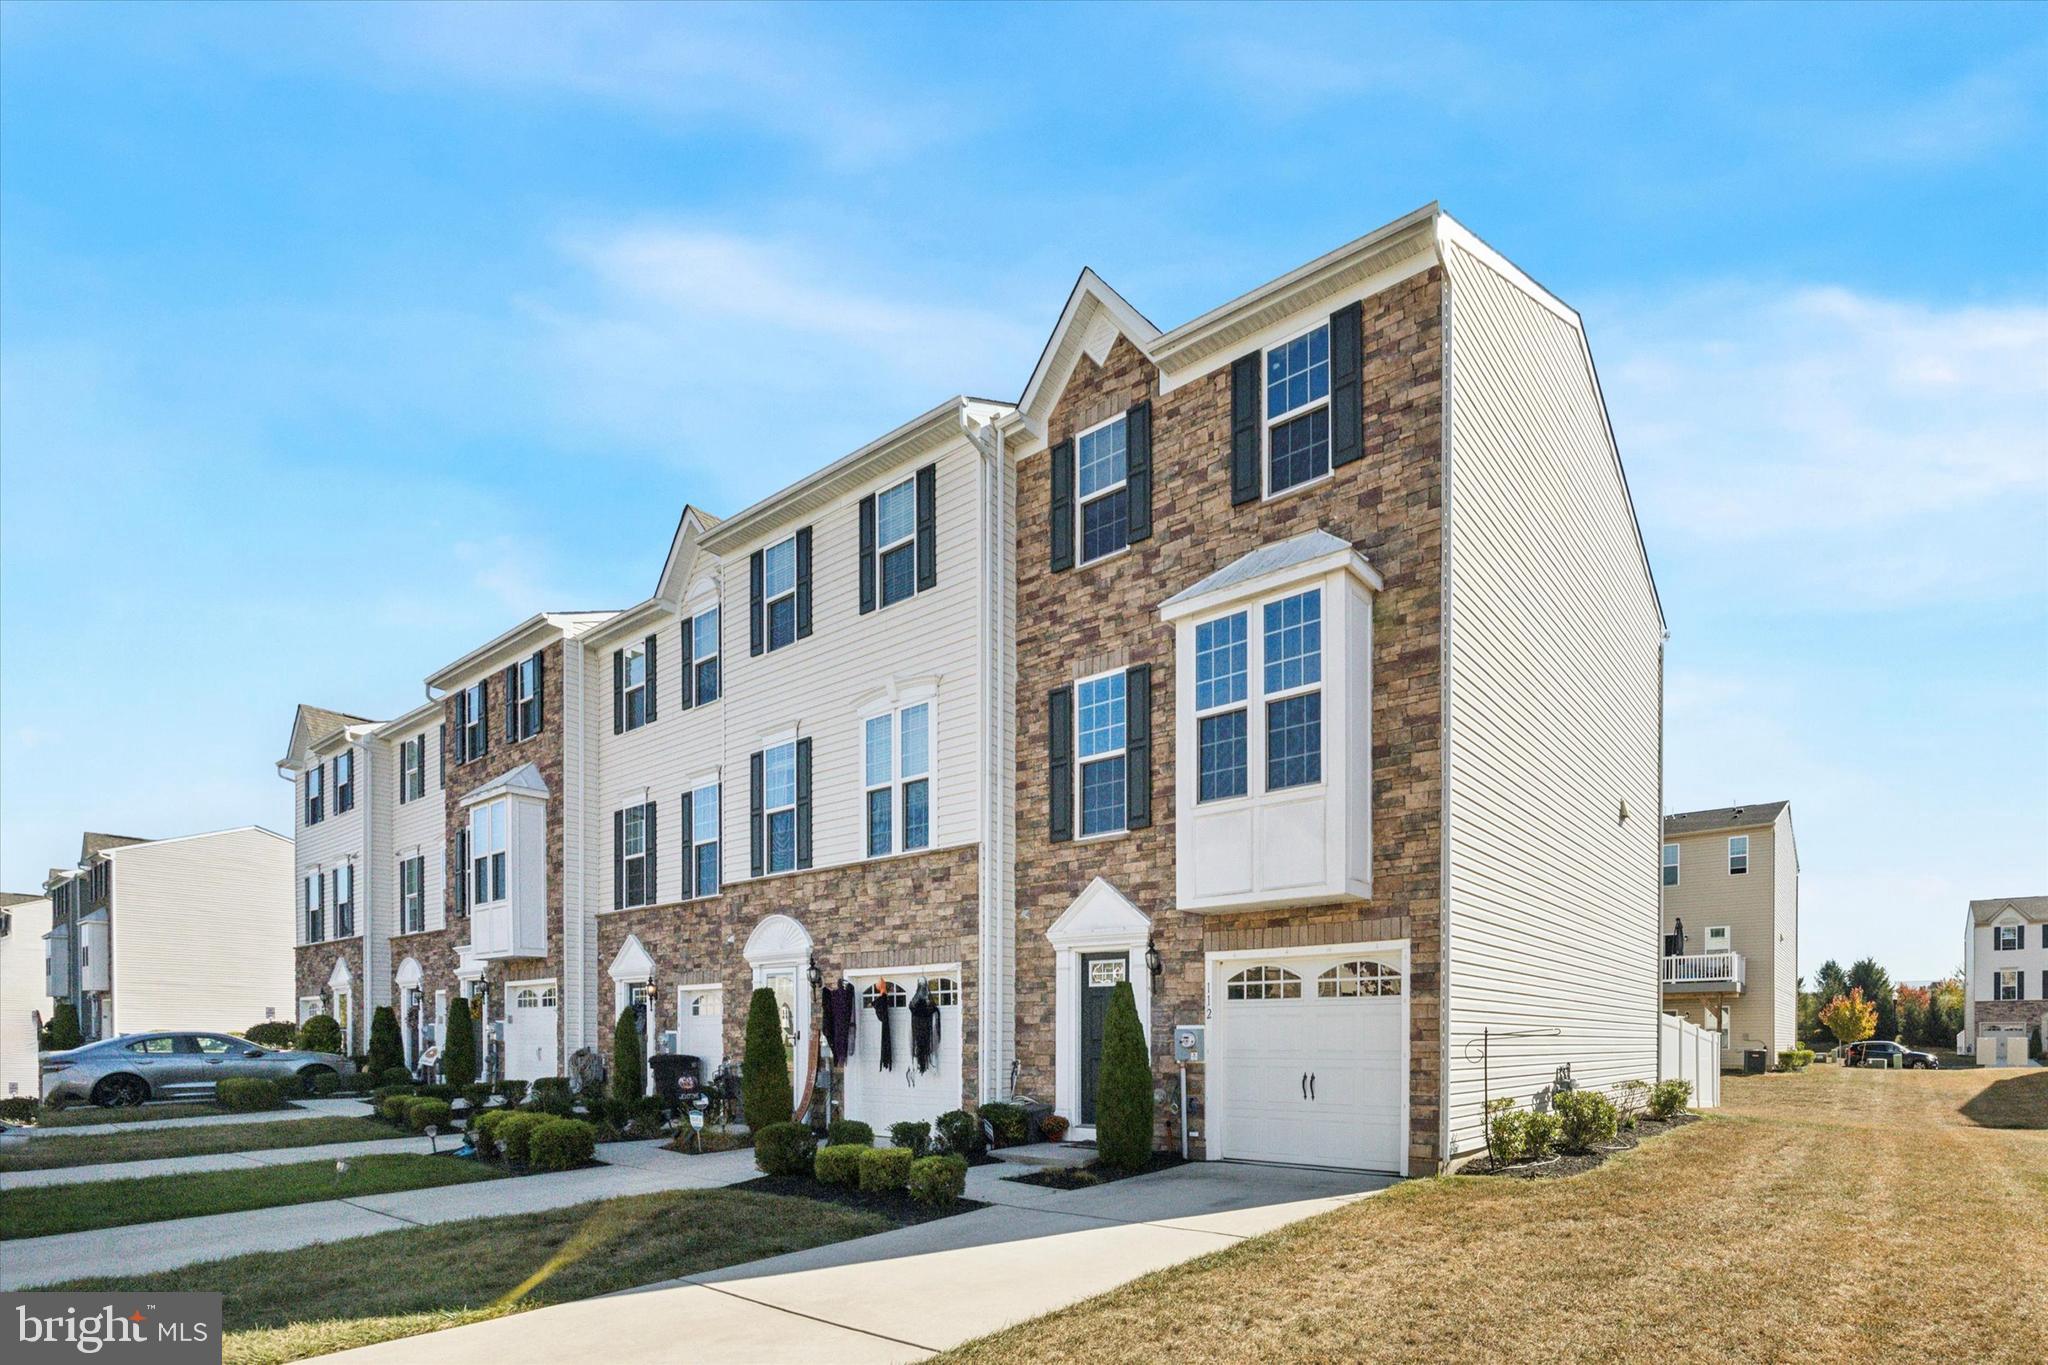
[1189,1042]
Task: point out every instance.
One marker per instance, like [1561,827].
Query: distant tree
[386,1048]
[1806,1020]
[458,1049]
[62,1033]
[1876,984]
[1830,981]
[1915,1006]
[1946,1008]
[1850,1017]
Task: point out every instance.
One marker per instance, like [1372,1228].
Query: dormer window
[344,781]
[1298,410]
[316,782]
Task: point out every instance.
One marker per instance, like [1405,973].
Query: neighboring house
[1339,665]
[24,990]
[183,933]
[2005,969]
[1731,926]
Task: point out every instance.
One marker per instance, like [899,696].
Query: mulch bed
[897,1205]
[1092,1174]
[1565,1164]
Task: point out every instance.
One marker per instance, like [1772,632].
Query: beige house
[24,1001]
[1731,925]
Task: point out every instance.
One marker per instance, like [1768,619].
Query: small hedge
[1539,1135]
[840,1164]
[394,1075]
[1586,1118]
[483,1133]
[849,1133]
[1667,1098]
[1795,1059]
[320,1033]
[1009,1122]
[420,1113]
[247,1095]
[326,1083]
[513,1091]
[1507,1131]
[883,1169]
[17,1109]
[960,1133]
[393,1106]
[937,1180]
[516,1131]
[560,1145]
[550,1095]
[785,1149]
[913,1134]
[277,1033]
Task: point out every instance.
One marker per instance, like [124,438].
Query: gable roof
[682,552]
[313,726]
[13,898]
[92,845]
[2033,909]
[1724,817]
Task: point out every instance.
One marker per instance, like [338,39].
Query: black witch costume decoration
[839,1011]
[886,1053]
[924,1027]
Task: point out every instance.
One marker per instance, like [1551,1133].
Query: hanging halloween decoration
[924,1027]
[885,1051]
[840,1007]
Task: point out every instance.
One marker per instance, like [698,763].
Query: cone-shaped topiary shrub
[386,1050]
[626,1059]
[458,1050]
[764,1074]
[1123,1095]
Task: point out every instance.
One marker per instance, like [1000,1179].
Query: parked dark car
[137,1067]
[1872,1052]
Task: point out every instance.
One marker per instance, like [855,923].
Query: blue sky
[333,340]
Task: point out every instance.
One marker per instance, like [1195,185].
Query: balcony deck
[1705,973]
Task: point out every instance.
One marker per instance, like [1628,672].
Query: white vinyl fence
[1687,1052]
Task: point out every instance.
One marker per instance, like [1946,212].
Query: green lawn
[46,1153]
[39,1210]
[86,1115]
[283,1306]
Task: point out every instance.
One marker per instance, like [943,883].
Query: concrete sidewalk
[218,1161]
[633,1168]
[331,1107]
[902,1295]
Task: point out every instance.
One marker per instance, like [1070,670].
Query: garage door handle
[1311,1085]
[1304,1085]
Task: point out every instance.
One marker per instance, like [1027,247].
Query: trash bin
[1753,1061]
[674,1072]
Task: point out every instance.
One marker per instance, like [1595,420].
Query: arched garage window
[1263,983]
[1358,978]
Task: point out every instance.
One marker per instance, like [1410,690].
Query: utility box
[1190,1042]
[1753,1062]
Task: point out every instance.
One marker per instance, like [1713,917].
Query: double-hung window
[778,806]
[345,900]
[1671,864]
[526,700]
[898,767]
[1293,685]
[896,541]
[475,720]
[1099,744]
[412,769]
[487,852]
[778,595]
[412,895]
[633,688]
[1298,410]
[344,781]
[2006,938]
[316,782]
[1220,718]
[2006,985]
[704,656]
[704,838]
[1102,464]
[1738,854]
[316,907]
[635,853]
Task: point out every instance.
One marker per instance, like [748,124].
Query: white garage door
[879,1097]
[530,1040]
[1307,1062]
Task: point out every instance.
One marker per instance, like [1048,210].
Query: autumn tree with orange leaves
[1850,1017]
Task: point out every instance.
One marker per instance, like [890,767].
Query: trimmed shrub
[247,1095]
[320,1033]
[1507,1131]
[1053,1127]
[293,1087]
[438,1092]
[764,1071]
[785,1149]
[393,1106]
[959,1132]
[1795,1059]
[912,1134]
[627,1064]
[458,1049]
[1123,1093]
[1539,1135]
[394,1075]
[327,1083]
[550,1095]
[937,1180]
[883,1169]
[1585,1118]
[849,1133]
[1629,1096]
[387,1049]
[17,1109]
[483,1133]
[421,1112]
[513,1091]
[1667,1098]
[560,1145]
[840,1164]
[514,1133]
[1008,1122]
[477,1095]
[277,1033]
[62,1033]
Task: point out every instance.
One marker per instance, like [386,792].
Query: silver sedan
[137,1067]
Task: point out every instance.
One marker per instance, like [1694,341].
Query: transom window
[896,541]
[778,592]
[1738,854]
[1103,463]
[704,837]
[487,852]
[634,855]
[1099,732]
[1221,677]
[633,686]
[2007,937]
[1358,978]
[704,656]
[1294,699]
[1671,864]
[344,782]
[1263,983]
[898,777]
[527,703]
[1298,410]
[778,806]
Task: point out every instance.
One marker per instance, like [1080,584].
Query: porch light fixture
[1152,963]
[816,975]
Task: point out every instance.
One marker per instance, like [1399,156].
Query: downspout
[990,850]
[1446,528]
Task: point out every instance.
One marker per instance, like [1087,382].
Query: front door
[792,1007]
[1101,974]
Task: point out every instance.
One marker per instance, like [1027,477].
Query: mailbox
[1188,1042]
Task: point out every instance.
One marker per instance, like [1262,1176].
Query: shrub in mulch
[1569,1163]
[899,1206]
[1093,1173]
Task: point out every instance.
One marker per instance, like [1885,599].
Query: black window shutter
[803,803]
[689,886]
[1347,385]
[461,871]
[441,755]
[1138,469]
[651,689]
[483,718]
[1059,763]
[867,554]
[754,811]
[404,747]
[689,666]
[754,609]
[1062,514]
[540,690]
[618,860]
[618,691]
[1138,747]
[652,808]
[462,726]
[1244,430]
[511,702]
[928,527]
[803,583]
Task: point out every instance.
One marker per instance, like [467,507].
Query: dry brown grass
[1826,1215]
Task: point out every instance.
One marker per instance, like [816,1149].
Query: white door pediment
[340,977]
[778,939]
[1100,914]
[632,963]
[409,974]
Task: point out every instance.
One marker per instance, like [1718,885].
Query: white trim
[893,708]
[901,969]
[1100,920]
[632,963]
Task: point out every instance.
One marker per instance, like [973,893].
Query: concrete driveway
[903,1294]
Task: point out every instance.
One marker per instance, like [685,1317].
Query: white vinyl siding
[418,829]
[1553,675]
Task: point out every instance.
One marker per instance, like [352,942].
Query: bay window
[1294,699]
[487,853]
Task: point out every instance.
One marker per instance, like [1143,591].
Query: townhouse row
[1300,665]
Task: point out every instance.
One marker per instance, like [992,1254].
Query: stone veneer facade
[315,963]
[2027,1014]
[1105,615]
